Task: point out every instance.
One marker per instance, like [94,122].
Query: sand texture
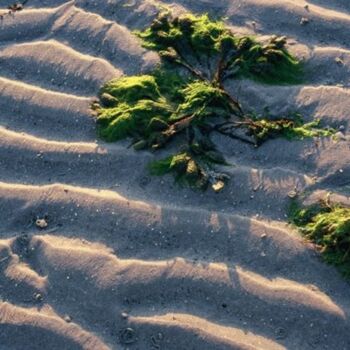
[183,270]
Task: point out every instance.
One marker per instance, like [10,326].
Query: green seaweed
[192,167]
[198,33]
[198,37]
[204,100]
[290,128]
[270,63]
[185,97]
[139,103]
[184,167]
[328,226]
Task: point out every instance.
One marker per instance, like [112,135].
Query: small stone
[292,194]
[67,318]
[340,136]
[218,186]
[264,235]
[41,223]
[341,127]
[304,21]
[124,315]
[38,297]
[339,61]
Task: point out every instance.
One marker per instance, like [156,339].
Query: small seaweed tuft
[193,168]
[185,98]
[328,226]
[291,128]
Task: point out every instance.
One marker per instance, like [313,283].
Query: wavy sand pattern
[183,270]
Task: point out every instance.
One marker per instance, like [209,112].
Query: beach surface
[130,261]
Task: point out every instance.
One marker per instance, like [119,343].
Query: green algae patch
[193,167]
[132,89]
[328,226]
[129,107]
[197,40]
[185,98]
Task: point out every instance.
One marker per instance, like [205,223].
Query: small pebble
[340,136]
[339,61]
[38,297]
[218,186]
[41,223]
[304,21]
[292,194]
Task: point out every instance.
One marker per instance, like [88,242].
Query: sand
[128,261]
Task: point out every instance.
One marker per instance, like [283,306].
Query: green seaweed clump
[132,107]
[193,167]
[185,98]
[328,226]
[194,41]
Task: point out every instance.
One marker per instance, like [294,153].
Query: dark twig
[183,62]
[217,79]
[235,136]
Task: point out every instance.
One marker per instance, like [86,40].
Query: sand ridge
[183,270]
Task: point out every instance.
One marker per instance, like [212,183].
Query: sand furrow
[322,59]
[340,5]
[27,142]
[47,113]
[133,14]
[28,25]
[65,69]
[186,328]
[43,329]
[93,34]
[312,101]
[126,276]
